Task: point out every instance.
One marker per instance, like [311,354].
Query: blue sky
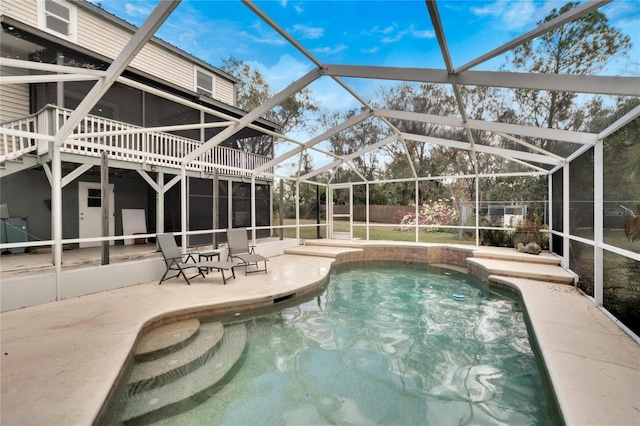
[392,33]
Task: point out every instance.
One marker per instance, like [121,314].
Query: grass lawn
[376,233]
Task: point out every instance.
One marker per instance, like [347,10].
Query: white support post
[253,209]
[183,207]
[367,198]
[417,211]
[56,215]
[566,223]
[328,196]
[598,219]
[550,210]
[477,210]
[298,210]
[160,203]
[229,204]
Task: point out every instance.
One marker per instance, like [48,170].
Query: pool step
[166,339]
[505,268]
[544,258]
[172,366]
[188,391]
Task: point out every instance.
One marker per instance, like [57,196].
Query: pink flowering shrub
[439,212]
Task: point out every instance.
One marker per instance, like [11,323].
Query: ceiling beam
[516,129]
[350,157]
[254,114]
[126,55]
[546,27]
[508,153]
[622,121]
[49,78]
[324,136]
[605,85]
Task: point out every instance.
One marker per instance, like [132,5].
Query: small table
[208,256]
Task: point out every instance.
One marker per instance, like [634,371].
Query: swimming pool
[386,343]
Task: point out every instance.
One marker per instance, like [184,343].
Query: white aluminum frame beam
[507,153]
[517,129]
[324,136]
[349,157]
[267,19]
[24,79]
[530,146]
[621,122]
[444,49]
[126,55]
[53,68]
[556,22]
[269,104]
[604,85]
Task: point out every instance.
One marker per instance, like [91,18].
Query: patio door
[341,212]
[90,212]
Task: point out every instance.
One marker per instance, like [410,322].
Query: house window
[204,82]
[58,17]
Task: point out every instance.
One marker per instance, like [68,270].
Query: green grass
[376,233]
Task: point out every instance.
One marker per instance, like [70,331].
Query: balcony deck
[131,146]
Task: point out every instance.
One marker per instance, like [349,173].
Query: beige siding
[22,10]
[225,91]
[153,59]
[103,37]
[14,102]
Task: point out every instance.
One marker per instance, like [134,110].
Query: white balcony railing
[124,142]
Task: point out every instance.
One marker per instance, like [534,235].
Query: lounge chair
[176,261]
[239,249]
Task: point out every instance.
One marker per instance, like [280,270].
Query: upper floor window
[58,17]
[205,82]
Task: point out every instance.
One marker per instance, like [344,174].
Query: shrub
[439,212]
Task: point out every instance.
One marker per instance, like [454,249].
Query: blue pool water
[386,343]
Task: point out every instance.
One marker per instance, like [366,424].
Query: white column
[565,216]
[56,215]
[477,210]
[183,207]
[229,204]
[298,211]
[550,209]
[160,203]
[417,199]
[367,197]
[598,219]
[253,209]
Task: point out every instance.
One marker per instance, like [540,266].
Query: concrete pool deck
[59,361]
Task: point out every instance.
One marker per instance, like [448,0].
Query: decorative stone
[531,248]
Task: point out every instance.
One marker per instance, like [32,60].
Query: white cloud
[390,37]
[308,32]
[511,15]
[284,72]
[330,50]
[139,9]
[263,35]
[298,8]
[370,51]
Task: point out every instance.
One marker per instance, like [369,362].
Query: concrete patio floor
[59,361]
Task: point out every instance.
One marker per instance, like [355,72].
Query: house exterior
[135,122]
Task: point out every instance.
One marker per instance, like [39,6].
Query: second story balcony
[30,137]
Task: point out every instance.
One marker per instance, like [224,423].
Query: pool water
[387,343]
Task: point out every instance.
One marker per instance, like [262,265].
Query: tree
[581,47]
[292,114]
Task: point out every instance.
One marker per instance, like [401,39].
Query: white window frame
[73,20]
[196,70]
